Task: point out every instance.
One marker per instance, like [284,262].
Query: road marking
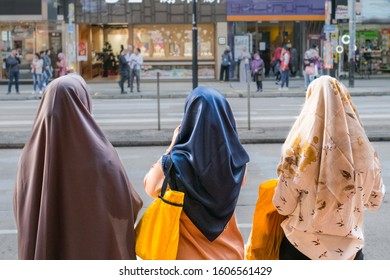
[8,231]
[134,119]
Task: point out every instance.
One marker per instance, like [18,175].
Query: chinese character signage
[275,7]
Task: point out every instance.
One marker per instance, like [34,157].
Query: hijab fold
[209,161]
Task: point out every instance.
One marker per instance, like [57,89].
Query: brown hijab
[73,199]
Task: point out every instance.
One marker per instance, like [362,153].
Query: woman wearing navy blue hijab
[209,166]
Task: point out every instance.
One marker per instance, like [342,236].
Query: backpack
[225,59]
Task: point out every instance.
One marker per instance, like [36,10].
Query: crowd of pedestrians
[256,67]
[41,69]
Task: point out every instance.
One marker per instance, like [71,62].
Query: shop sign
[222,40]
[385,31]
[82,51]
[70,28]
[329,28]
[373,11]
[314,36]
[241,42]
[22,31]
[342,12]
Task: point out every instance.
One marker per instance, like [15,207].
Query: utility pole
[194,46]
[352,41]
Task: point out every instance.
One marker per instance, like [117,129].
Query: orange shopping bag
[266,235]
[157,233]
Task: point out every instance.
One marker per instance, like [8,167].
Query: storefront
[372,37]
[27,39]
[269,25]
[25,25]
[161,29]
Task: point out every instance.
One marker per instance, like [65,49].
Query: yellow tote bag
[266,235]
[157,233]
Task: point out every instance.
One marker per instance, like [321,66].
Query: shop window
[173,42]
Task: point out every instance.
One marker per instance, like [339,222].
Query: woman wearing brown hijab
[73,199]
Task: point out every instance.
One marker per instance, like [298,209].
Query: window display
[173,42]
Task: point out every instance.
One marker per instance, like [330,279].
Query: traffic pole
[194,46]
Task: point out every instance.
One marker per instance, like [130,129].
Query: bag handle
[165,183]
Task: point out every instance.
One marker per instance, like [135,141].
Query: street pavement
[109,88]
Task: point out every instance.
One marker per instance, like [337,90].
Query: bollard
[158,102]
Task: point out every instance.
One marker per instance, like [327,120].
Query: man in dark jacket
[12,64]
[124,71]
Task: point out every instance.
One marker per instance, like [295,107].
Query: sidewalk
[108,88]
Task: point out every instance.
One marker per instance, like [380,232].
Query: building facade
[265,25]
[162,29]
[29,26]
[92,32]
[372,35]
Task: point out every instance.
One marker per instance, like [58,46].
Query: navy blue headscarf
[208,161]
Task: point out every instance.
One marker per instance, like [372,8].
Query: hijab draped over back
[328,174]
[209,161]
[73,199]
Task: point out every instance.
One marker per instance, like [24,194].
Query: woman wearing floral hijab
[73,199]
[329,174]
[209,166]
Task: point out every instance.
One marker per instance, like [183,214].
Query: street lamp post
[352,36]
[194,46]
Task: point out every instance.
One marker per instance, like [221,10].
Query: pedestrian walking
[12,65]
[226,61]
[328,175]
[284,68]
[37,70]
[123,70]
[245,60]
[47,68]
[293,62]
[73,199]
[136,61]
[258,71]
[209,166]
[61,64]
[276,63]
[310,63]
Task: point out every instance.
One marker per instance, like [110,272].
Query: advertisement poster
[241,41]
[82,51]
[328,55]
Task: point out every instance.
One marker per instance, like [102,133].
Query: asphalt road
[263,164]
[113,114]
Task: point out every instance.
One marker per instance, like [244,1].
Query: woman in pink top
[329,174]
[61,64]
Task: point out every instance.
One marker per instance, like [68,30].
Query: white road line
[134,119]
[8,231]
